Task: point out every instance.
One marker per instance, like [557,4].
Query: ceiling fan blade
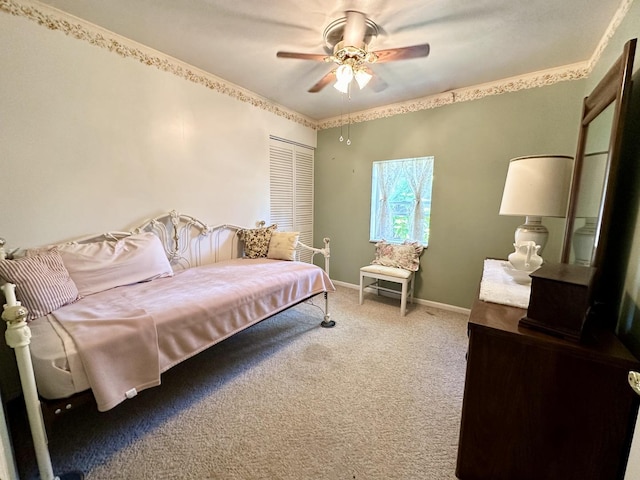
[377,84]
[323,82]
[318,57]
[404,53]
[354,29]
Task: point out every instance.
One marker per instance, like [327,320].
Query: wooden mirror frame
[614,87]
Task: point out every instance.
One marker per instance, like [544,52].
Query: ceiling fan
[348,39]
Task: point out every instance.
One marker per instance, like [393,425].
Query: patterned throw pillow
[42,282]
[405,255]
[256,241]
[282,245]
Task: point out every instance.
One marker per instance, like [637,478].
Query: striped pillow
[42,282]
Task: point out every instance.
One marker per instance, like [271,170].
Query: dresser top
[497,319]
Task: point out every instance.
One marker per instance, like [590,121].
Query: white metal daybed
[176,287]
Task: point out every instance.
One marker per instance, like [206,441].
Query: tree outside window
[401,200]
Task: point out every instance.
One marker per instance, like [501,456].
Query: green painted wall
[472,143]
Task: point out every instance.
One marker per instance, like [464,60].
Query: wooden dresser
[539,407]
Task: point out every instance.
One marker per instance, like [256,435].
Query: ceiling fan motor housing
[334,33]
[351,54]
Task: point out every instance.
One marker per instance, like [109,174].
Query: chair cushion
[390,271]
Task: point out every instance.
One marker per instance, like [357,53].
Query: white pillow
[99,266]
[282,245]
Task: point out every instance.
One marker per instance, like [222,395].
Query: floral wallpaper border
[72,26]
[548,77]
[533,80]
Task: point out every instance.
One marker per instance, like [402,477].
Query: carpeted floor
[377,397]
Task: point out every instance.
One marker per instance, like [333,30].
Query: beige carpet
[377,397]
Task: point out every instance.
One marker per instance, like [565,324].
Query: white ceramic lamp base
[532,230]
[583,240]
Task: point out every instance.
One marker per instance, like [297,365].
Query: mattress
[52,354]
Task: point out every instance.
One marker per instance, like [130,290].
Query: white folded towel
[501,283]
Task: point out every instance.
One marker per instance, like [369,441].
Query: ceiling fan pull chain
[341,112]
[349,115]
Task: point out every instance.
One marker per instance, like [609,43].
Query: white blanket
[128,336]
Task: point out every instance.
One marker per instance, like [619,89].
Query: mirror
[591,188]
[596,164]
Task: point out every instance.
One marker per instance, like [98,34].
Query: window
[401,200]
[291,189]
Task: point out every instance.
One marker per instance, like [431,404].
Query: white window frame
[389,178]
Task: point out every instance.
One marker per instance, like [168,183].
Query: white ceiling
[472,41]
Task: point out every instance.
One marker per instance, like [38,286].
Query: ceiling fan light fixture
[362,77]
[342,86]
[344,73]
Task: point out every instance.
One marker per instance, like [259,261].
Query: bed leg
[18,337]
[327,322]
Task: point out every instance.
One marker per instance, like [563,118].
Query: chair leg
[403,298]
[361,287]
[411,285]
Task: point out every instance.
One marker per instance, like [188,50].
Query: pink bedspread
[128,336]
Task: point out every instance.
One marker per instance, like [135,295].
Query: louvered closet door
[291,191]
[303,211]
[281,191]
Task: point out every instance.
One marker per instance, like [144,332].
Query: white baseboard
[428,303]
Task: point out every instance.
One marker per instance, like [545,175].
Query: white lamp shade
[363,77]
[342,87]
[344,73]
[537,186]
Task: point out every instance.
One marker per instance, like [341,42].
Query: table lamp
[536,186]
